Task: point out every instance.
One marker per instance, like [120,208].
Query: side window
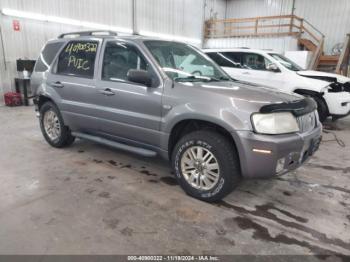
[226,59]
[78,59]
[255,61]
[46,57]
[234,58]
[119,58]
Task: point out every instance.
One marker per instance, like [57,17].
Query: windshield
[289,64]
[181,62]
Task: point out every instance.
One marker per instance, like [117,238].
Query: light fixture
[74,22]
[171,37]
[62,20]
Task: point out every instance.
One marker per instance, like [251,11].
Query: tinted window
[254,61]
[46,57]
[226,59]
[78,59]
[119,58]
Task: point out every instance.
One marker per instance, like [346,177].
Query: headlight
[275,123]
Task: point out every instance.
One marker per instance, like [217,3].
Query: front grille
[307,122]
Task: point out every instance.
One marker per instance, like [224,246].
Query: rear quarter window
[47,56]
[78,59]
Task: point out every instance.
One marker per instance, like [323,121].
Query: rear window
[46,57]
[78,59]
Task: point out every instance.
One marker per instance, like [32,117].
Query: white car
[194,65]
[330,91]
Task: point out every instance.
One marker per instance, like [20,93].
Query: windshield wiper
[225,78]
[203,78]
[189,78]
[221,78]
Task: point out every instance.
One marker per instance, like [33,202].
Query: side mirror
[140,77]
[273,68]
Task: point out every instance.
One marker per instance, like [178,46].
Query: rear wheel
[206,165]
[53,128]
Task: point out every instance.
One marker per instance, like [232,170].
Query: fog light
[280,165]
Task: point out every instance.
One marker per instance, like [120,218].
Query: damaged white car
[330,91]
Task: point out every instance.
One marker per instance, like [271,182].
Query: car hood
[246,92]
[328,77]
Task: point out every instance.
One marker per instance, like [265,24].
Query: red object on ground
[13,99]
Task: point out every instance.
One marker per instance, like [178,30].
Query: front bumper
[338,103]
[270,155]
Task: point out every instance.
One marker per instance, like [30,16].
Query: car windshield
[289,64]
[181,62]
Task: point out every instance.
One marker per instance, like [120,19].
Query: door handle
[57,84]
[107,92]
[246,73]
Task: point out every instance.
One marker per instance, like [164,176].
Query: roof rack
[88,33]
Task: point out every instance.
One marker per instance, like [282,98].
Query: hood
[246,92]
[329,77]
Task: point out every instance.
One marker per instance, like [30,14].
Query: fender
[50,93]
[224,118]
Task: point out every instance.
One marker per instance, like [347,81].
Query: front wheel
[52,126]
[206,165]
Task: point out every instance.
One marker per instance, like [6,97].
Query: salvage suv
[130,93]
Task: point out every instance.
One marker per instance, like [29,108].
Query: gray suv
[150,97]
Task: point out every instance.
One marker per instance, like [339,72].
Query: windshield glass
[289,64]
[181,62]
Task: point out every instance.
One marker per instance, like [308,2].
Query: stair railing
[267,26]
[344,59]
[312,33]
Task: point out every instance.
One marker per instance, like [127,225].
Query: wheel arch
[311,93]
[42,99]
[187,126]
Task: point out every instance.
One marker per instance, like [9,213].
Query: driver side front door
[128,111]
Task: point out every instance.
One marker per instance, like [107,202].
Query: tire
[208,188]
[54,121]
[322,108]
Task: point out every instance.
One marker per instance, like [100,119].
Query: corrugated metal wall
[215,9]
[175,17]
[252,8]
[171,17]
[332,18]
[278,44]
[28,42]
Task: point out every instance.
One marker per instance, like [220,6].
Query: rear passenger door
[127,110]
[72,82]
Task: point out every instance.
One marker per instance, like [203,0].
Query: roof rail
[88,33]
